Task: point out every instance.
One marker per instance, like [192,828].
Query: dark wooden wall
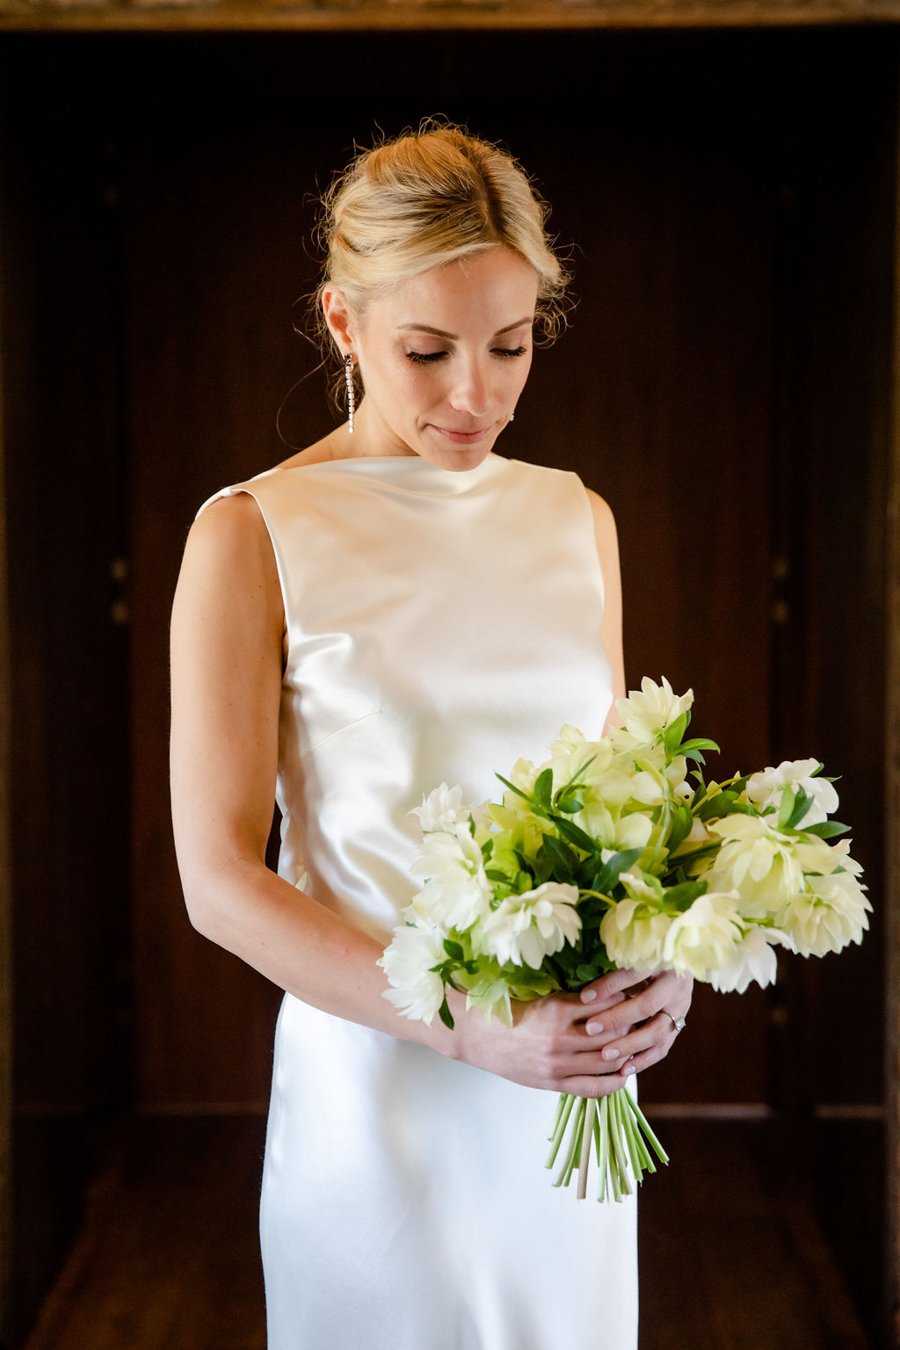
[724,383]
[70,759]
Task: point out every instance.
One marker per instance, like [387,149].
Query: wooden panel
[892,817]
[348,15]
[69,801]
[6,918]
[831,692]
[660,396]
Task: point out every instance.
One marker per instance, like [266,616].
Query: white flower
[523,929]
[634,934]
[647,713]
[416,990]
[624,783]
[522,775]
[616,832]
[442,809]
[764,789]
[456,892]
[697,837]
[752,959]
[830,913]
[571,755]
[705,936]
[676,775]
[758,861]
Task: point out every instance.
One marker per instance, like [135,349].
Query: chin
[457,458]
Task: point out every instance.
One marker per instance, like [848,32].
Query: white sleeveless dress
[439,626]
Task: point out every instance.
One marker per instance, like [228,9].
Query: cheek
[519,377]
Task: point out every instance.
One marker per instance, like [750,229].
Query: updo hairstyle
[428,198]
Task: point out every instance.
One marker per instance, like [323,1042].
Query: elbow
[218,897]
[201,911]
[205,899]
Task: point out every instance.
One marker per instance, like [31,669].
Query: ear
[339,318]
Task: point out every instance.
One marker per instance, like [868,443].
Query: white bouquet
[617,853]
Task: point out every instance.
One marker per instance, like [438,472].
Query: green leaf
[569,800]
[682,820]
[725,803]
[795,802]
[453,950]
[785,810]
[512,787]
[543,787]
[574,834]
[684,894]
[446,1015]
[487,849]
[826,829]
[674,732]
[607,877]
[560,857]
[698,743]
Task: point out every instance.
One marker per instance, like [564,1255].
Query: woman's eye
[425,358]
[509,351]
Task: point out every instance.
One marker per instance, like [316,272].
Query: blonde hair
[428,198]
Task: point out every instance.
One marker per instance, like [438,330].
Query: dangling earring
[351,390]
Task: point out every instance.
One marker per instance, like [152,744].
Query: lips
[462,437]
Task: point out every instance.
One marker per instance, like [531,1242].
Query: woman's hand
[588,1043]
[642,1028]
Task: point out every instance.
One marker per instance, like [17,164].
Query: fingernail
[588,995]
[611,1053]
[628,1068]
[594,1028]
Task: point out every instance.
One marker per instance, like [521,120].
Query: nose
[471,392]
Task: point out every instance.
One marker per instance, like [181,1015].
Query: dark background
[728,200]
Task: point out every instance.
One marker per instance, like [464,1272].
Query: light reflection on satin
[439,626]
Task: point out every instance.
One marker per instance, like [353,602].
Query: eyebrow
[439,332]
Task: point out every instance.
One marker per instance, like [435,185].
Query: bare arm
[227,627]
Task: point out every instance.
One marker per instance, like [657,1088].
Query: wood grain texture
[659,397]
[6,943]
[892,816]
[248,16]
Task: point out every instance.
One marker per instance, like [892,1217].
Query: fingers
[603,1086]
[658,1034]
[611,986]
[659,992]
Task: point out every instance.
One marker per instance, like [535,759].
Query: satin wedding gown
[439,626]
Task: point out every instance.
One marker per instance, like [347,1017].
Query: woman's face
[444,357]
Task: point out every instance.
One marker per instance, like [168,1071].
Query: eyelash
[428,358]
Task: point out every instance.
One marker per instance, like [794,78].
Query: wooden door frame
[435,15]
[891,898]
[5,916]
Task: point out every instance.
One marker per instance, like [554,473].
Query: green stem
[647,1131]
[570,1127]
[603,1150]
[587,1138]
[578,1130]
[619,1150]
[629,1133]
[563,1112]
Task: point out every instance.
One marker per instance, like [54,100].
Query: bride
[395,605]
